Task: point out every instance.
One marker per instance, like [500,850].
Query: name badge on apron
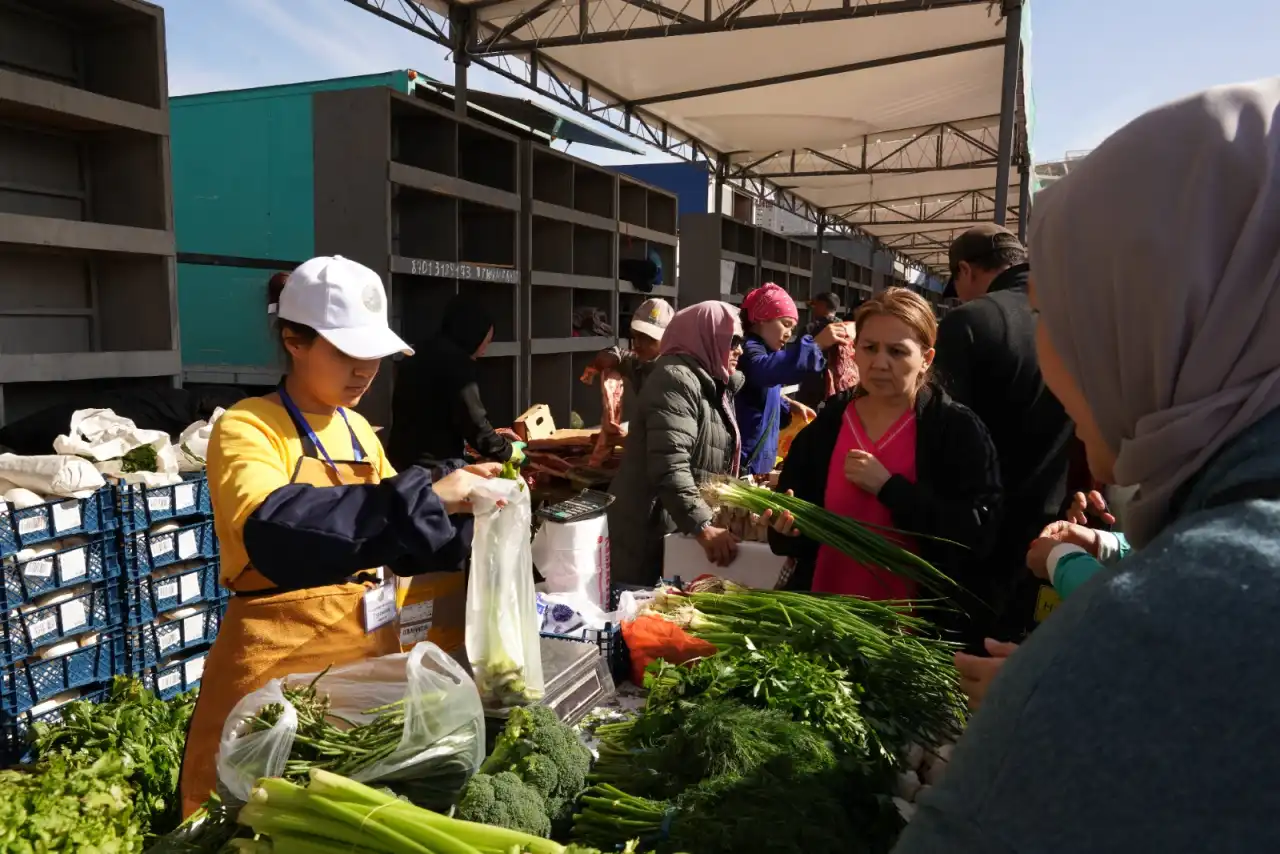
[379,607]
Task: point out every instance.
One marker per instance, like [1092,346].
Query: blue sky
[1092,69]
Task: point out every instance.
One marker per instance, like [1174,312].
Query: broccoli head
[545,753]
[504,800]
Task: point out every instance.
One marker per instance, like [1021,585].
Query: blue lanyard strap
[309,436]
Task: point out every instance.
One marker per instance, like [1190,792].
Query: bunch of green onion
[864,543]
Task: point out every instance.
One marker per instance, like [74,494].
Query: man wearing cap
[647,325]
[986,358]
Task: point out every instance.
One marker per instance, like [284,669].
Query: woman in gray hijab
[1141,716]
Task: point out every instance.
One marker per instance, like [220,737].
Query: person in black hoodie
[436,409]
[896,452]
[987,361]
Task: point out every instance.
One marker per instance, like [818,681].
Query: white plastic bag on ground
[443,719]
[574,558]
[502,611]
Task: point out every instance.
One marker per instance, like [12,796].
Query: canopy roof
[882,115]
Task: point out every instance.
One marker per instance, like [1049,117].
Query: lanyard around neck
[309,435]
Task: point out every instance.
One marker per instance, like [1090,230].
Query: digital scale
[587,504]
[577,680]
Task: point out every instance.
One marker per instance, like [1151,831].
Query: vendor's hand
[784,523]
[1038,556]
[799,410]
[1077,535]
[866,472]
[456,488]
[517,453]
[831,335]
[484,470]
[720,545]
[1086,508]
[977,672]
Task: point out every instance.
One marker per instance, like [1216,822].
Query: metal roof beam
[416,21]
[725,24]
[815,73]
[662,11]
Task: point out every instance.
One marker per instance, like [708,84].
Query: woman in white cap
[308,510]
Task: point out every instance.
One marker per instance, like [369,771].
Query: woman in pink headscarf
[773,358]
[683,433]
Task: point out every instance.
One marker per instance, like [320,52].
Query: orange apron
[267,635]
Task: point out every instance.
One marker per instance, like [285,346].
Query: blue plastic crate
[25,581]
[33,681]
[24,632]
[14,746]
[144,552]
[20,529]
[140,507]
[175,677]
[148,597]
[151,644]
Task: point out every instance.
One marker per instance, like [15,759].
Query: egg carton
[39,570]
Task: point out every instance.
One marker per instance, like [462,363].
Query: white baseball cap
[344,302]
[651,318]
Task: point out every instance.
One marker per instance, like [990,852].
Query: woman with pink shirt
[895,452]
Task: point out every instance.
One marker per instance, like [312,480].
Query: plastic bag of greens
[412,721]
[502,608]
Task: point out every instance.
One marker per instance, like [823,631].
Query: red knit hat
[769,302]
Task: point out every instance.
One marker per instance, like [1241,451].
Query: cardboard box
[433,607]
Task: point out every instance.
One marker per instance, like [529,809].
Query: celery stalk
[270,820]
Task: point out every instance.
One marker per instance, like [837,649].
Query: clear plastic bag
[502,608]
[443,720]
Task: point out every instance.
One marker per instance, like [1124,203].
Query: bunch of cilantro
[104,778]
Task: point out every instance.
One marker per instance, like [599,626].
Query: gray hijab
[1157,271]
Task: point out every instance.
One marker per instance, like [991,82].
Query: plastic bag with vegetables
[502,612]
[411,720]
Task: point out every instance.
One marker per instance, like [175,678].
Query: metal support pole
[1024,195]
[822,231]
[722,166]
[1008,105]
[462,32]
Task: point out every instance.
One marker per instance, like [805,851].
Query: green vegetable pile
[325,741]
[530,781]
[104,779]
[141,458]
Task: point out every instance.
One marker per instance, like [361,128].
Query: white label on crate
[166,590]
[162,545]
[193,628]
[419,612]
[190,587]
[34,524]
[74,615]
[168,636]
[188,545]
[159,503]
[66,516]
[73,563]
[414,633]
[194,669]
[42,568]
[172,679]
[43,626]
[184,496]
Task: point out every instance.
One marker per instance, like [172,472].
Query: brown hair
[907,306]
[275,287]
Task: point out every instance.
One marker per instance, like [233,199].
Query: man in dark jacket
[986,358]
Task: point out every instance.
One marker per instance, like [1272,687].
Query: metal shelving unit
[846,279]
[723,258]
[87,291]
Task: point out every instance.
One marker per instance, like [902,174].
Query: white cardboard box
[755,566]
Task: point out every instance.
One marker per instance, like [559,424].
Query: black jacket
[956,495]
[437,408]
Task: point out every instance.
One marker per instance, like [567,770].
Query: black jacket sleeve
[953,363]
[472,421]
[961,501]
[302,536]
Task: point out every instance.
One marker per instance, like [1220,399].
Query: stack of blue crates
[61,614]
[172,600]
[124,582]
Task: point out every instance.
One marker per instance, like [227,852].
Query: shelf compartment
[633,203]
[552,178]
[552,245]
[500,301]
[486,235]
[663,212]
[593,191]
[551,382]
[595,301]
[593,253]
[423,225]
[496,376]
[423,139]
[488,159]
[418,303]
[551,312]
[586,398]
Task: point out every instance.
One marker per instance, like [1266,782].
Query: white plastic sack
[65,477]
[442,717]
[193,444]
[574,558]
[101,435]
[502,611]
